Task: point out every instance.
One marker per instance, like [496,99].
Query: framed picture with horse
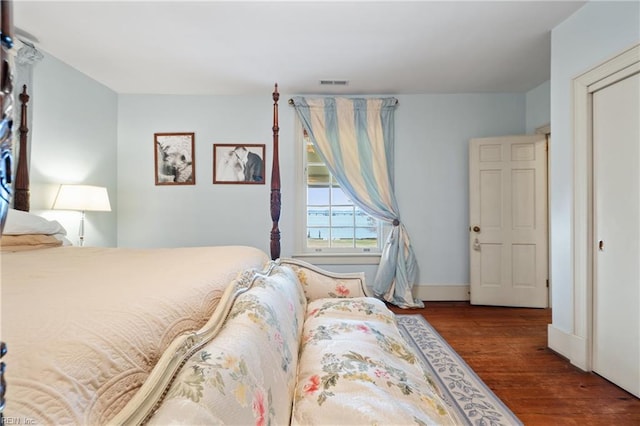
[238,163]
[175,158]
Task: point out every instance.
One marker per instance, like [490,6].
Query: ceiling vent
[333,82]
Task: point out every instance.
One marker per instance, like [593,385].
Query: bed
[85,331]
[85,326]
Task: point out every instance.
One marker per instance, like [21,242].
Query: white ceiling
[239,47]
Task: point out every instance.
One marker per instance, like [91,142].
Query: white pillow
[20,223]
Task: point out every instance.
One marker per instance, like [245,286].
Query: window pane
[318,175]
[342,216]
[333,222]
[317,216]
[342,237]
[317,237]
[339,197]
[363,219]
[367,237]
[312,155]
[318,196]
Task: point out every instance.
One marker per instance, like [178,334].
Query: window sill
[339,258]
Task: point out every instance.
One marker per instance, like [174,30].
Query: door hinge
[547,283]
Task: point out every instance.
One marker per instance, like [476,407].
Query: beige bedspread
[85,326]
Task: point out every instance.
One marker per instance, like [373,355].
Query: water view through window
[346,227]
[333,220]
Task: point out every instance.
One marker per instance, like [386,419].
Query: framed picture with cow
[239,163]
[175,158]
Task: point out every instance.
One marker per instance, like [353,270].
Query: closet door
[616,291]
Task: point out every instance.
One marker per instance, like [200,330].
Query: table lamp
[84,198]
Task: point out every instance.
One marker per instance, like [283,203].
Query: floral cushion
[319,286]
[247,374]
[355,368]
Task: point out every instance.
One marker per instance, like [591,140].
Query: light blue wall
[432,133]
[191,215]
[595,33]
[73,141]
[538,106]
[432,172]
[110,142]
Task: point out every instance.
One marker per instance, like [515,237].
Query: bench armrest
[319,283]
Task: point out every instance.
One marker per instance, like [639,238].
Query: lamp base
[81,231]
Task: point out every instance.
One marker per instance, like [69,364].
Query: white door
[616,153]
[508,221]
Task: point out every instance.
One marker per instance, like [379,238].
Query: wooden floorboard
[507,348]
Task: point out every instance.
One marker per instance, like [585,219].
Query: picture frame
[175,162]
[239,163]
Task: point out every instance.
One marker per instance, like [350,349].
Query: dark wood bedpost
[275,182]
[21,189]
[3,383]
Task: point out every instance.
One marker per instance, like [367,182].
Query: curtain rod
[290,101]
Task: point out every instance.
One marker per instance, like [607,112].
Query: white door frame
[615,69]
[546,130]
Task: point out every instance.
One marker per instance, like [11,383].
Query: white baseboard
[441,292]
[570,346]
[559,341]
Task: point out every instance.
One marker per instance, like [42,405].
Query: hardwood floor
[507,348]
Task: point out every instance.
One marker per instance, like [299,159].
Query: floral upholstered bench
[298,345]
[355,368]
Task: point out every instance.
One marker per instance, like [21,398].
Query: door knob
[476,228]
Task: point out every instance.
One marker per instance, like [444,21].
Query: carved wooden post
[275,182]
[3,384]
[21,190]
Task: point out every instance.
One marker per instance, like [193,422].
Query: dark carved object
[275,182]
[21,189]
[3,384]
[6,111]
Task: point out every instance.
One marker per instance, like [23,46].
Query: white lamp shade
[83,198]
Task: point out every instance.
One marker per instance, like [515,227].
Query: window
[333,223]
